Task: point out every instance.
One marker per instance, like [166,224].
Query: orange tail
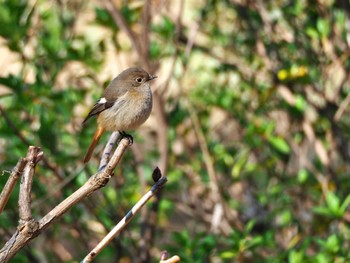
[92,146]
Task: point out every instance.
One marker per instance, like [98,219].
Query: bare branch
[121,22]
[108,149]
[342,108]
[219,207]
[31,228]
[34,155]
[11,182]
[121,225]
[146,21]
[95,182]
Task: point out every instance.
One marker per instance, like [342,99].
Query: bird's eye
[139,80]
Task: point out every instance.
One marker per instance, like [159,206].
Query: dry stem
[30,228]
[122,223]
[11,182]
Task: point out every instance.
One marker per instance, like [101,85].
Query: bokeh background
[250,124]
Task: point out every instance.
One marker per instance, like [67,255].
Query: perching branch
[31,228]
[108,149]
[160,181]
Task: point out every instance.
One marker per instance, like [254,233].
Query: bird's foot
[128,136]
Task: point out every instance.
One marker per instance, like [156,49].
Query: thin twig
[121,22]
[34,155]
[164,258]
[32,229]
[11,182]
[108,149]
[95,182]
[193,33]
[205,150]
[219,204]
[13,127]
[343,106]
[121,225]
[146,22]
[178,27]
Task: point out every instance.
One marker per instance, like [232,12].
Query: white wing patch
[102,101]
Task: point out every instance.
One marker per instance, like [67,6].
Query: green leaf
[296,257]
[303,176]
[154,50]
[131,15]
[249,226]
[166,28]
[332,244]
[279,144]
[228,254]
[322,210]
[333,202]
[103,17]
[312,32]
[47,131]
[285,217]
[300,103]
[322,258]
[323,26]
[345,204]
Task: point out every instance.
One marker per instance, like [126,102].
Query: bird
[125,104]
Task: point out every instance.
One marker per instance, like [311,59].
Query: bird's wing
[113,91]
[101,105]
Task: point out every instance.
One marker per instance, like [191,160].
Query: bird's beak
[152,77]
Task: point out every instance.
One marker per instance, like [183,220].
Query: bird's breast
[128,112]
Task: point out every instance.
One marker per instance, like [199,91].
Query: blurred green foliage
[268,82]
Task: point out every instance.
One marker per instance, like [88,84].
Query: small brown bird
[125,104]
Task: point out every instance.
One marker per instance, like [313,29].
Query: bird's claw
[127,136]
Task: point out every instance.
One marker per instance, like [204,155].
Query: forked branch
[29,227]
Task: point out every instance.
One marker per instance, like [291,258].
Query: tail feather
[93,144]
